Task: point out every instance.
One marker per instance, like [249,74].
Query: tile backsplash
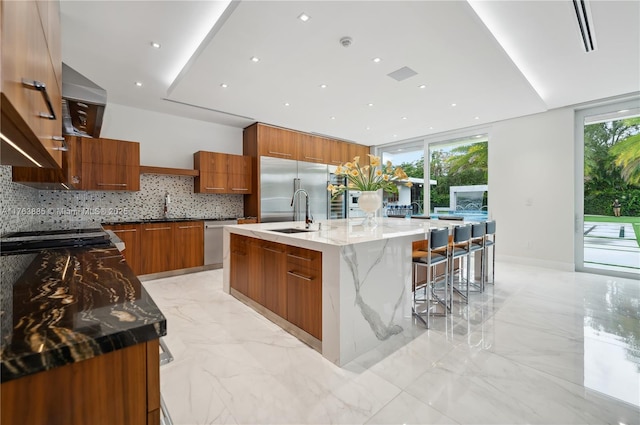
[23,206]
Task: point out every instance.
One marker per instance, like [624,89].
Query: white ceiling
[538,63]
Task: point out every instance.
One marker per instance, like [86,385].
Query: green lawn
[634,221]
[611,219]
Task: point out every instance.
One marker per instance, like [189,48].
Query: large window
[456,180]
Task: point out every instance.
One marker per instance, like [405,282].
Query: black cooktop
[36,240]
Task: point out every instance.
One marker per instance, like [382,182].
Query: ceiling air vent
[585,25]
[402,73]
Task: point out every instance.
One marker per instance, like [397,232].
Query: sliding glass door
[608,188]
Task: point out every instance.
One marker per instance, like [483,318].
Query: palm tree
[627,156]
[473,157]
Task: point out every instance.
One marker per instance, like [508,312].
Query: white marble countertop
[339,232]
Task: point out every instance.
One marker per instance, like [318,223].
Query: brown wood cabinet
[222,173]
[188,244]
[338,152]
[239,247]
[130,235]
[274,263]
[89,164]
[304,289]
[120,387]
[156,247]
[285,279]
[277,142]
[359,150]
[31,100]
[314,149]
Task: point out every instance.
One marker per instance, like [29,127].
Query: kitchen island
[365,290]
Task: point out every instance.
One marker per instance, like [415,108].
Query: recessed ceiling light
[422,86]
[155,45]
[323,86]
[453,105]
[138,83]
[333,118]
[368,128]
[430,128]
[369,104]
[376,60]
[395,135]
[476,118]
[304,17]
[404,118]
[287,104]
[224,85]
[254,59]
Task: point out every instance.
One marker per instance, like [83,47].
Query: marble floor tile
[540,347]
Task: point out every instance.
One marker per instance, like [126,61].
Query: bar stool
[490,243]
[460,249]
[437,253]
[478,238]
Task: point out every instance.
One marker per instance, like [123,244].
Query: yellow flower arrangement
[369,177]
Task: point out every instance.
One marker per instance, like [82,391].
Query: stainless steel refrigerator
[280,178]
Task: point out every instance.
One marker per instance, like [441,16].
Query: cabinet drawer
[304,258]
[97,176]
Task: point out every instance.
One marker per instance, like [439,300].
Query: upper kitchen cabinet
[360,151]
[105,164]
[31,100]
[222,173]
[89,164]
[314,149]
[338,152]
[271,141]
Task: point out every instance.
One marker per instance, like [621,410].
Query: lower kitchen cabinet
[120,387]
[188,244]
[304,289]
[274,263]
[130,235]
[285,279]
[240,263]
[156,247]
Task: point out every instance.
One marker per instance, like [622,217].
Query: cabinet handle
[315,159]
[113,184]
[189,227]
[214,188]
[307,278]
[273,250]
[124,230]
[42,88]
[298,257]
[237,188]
[280,153]
[158,228]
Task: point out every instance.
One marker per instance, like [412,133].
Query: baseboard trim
[546,264]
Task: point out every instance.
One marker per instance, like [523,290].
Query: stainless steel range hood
[83,103]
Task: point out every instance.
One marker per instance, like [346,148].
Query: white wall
[531,188]
[168,140]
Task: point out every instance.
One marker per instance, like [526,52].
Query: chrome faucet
[167,201]
[307,218]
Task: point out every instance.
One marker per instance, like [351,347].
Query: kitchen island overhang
[366,279]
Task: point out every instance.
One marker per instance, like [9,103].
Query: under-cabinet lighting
[16,147]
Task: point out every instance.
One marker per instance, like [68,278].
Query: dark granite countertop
[69,305]
[165,220]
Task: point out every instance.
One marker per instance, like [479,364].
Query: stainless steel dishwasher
[213,242]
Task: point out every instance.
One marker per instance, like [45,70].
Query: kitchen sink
[292,230]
